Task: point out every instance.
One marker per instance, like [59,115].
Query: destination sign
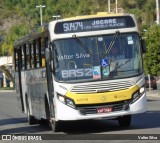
[94,24]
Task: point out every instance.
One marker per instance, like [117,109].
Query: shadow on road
[142,121]
[12,121]
[150,119]
[24,128]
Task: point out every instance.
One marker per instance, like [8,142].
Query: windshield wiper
[112,43]
[81,44]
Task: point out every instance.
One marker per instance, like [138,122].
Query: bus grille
[90,109]
[102,87]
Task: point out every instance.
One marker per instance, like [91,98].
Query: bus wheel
[55,125]
[124,121]
[31,119]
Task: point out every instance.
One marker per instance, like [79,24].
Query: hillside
[18,17]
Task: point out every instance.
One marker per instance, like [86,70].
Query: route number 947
[73,26]
[77,73]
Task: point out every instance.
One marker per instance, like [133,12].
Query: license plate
[104,110]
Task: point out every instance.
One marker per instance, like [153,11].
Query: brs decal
[87,72]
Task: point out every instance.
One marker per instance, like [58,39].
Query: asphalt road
[12,121]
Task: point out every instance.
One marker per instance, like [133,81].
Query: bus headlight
[141,90]
[62,99]
[138,94]
[66,100]
[135,95]
[70,103]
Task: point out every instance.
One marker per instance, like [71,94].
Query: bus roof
[99,14]
[44,28]
[99,21]
[35,33]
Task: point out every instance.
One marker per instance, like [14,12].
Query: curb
[6,91]
[153,95]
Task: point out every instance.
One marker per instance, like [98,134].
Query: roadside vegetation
[18,17]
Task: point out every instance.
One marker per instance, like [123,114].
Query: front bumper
[64,112]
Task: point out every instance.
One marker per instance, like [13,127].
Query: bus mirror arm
[52,63]
[52,66]
[47,54]
[143,46]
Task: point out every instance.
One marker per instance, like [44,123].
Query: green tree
[24,12]
[152,57]
[15,33]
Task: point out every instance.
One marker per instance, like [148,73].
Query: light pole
[116,6]
[157,9]
[109,6]
[56,16]
[41,6]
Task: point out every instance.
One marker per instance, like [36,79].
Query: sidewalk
[2,91]
[153,93]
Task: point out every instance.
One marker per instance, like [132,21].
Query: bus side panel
[32,91]
[34,86]
[43,91]
[17,88]
[24,88]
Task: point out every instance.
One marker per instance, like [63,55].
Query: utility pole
[116,7]
[41,6]
[157,10]
[56,17]
[109,6]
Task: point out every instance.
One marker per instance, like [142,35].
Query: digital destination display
[94,24]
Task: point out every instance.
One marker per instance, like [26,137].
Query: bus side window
[15,59]
[28,56]
[20,58]
[43,45]
[38,45]
[23,57]
[32,55]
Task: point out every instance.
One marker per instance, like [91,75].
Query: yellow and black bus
[64,70]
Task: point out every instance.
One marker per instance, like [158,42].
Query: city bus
[64,71]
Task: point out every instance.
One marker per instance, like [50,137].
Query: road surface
[12,121]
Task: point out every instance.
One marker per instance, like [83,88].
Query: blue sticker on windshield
[104,62]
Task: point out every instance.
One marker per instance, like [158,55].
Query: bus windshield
[97,57]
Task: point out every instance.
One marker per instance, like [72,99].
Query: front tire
[55,125]
[124,121]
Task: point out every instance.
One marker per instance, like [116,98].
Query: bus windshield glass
[97,58]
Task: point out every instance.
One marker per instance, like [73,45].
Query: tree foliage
[152,57]
[23,16]
[15,33]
